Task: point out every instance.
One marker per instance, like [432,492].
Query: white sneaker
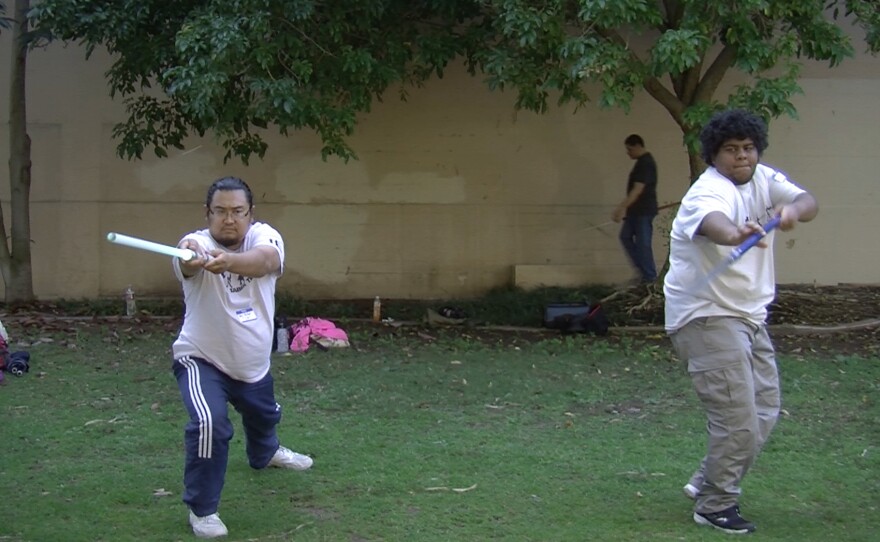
[690,491]
[288,459]
[208,526]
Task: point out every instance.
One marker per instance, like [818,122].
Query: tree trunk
[15,263]
[696,164]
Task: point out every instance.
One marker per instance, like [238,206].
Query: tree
[4,20]
[15,262]
[237,66]
[551,48]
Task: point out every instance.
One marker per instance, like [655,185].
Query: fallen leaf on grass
[111,420]
[464,489]
[455,489]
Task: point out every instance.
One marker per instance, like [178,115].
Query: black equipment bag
[576,318]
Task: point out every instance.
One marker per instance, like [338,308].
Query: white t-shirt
[229,318]
[745,288]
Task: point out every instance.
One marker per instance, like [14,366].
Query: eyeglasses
[238,213]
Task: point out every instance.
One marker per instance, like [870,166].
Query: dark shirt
[645,172]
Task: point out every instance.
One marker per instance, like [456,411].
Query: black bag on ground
[576,318]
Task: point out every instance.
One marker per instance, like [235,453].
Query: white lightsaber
[184,254]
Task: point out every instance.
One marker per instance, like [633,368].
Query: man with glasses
[222,354]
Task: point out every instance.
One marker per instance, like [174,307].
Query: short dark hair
[229,183]
[633,140]
[732,124]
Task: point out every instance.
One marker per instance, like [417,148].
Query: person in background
[720,328]
[222,355]
[638,209]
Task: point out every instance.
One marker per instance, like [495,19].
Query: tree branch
[690,81]
[707,87]
[674,12]
[666,98]
[651,84]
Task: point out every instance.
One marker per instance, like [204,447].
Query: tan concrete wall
[453,189]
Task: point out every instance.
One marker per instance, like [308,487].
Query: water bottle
[130,304]
[377,310]
[282,338]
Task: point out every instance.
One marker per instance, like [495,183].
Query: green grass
[562,440]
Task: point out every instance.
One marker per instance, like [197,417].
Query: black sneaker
[728,521]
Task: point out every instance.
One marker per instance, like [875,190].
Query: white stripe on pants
[206,424]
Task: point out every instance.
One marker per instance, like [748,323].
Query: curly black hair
[732,124]
[229,183]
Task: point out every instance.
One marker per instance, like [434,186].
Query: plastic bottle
[282,337]
[377,310]
[130,303]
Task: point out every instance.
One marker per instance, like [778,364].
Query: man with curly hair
[719,329]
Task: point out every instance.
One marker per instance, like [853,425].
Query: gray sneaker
[286,458]
[210,526]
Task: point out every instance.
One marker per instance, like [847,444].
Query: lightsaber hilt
[753,239]
[737,253]
[184,254]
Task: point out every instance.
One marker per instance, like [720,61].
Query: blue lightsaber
[741,249]
[737,253]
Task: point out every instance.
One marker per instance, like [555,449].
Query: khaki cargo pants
[733,369]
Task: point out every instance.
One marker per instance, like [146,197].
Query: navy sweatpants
[206,391]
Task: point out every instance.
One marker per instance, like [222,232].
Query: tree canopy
[5,22]
[678,51]
[236,66]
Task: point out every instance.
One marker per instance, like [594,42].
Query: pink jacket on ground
[308,329]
